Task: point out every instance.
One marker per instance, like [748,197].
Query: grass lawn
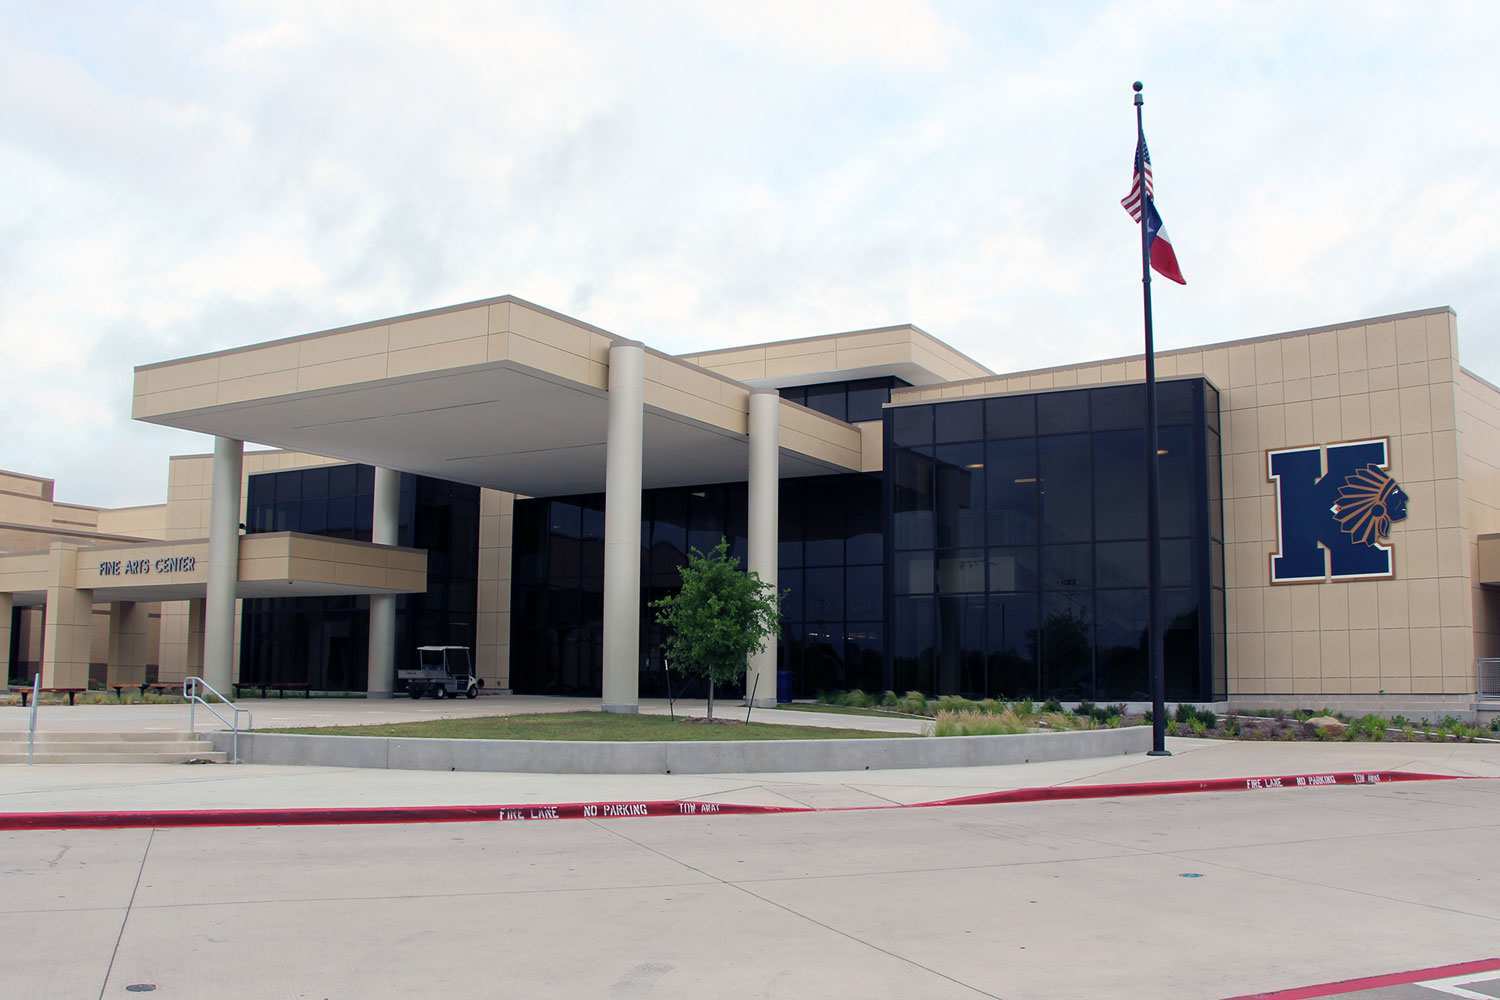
[587,726]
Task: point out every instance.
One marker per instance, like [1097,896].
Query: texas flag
[1163,257]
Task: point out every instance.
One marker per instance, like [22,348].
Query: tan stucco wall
[1393,376]
[1479,458]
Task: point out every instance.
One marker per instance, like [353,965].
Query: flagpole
[1153,511]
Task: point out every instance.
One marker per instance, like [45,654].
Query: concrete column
[223,564]
[7,633]
[765,493]
[127,643]
[193,661]
[381,673]
[68,625]
[622,528]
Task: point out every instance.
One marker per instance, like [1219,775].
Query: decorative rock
[1328,724]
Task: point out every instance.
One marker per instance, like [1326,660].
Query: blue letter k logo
[1334,523]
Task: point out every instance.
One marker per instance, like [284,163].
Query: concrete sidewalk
[296,711]
[145,786]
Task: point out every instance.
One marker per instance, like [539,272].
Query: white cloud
[703,175]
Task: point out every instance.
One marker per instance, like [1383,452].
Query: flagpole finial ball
[1138,86]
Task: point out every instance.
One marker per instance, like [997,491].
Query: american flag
[1132,201]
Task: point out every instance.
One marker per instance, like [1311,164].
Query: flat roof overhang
[499,393]
[272,564]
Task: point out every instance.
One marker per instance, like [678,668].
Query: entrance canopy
[274,564]
[499,393]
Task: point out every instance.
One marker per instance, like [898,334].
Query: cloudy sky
[180,180]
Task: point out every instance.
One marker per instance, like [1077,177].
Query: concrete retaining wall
[708,757]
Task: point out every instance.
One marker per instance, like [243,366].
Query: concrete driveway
[1206,895]
[1197,896]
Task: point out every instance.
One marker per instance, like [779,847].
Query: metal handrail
[1488,686]
[191,693]
[36,699]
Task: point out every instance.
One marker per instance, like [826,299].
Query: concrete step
[54,756]
[115,746]
[76,736]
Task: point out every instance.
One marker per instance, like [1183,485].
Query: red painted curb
[1052,793]
[165,818]
[1344,986]
[379,814]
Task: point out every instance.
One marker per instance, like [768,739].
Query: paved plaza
[1204,895]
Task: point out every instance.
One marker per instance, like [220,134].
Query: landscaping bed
[1324,725]
[589,727]
[956,716]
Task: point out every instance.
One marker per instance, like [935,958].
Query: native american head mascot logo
[1368,503]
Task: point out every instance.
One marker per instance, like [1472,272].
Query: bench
[25,693]
[160,687]
[280,687]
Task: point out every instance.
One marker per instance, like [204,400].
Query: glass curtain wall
[861,399]
[830,568]
[1018,557]
[324,641]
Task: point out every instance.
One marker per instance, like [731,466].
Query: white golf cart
[441,671]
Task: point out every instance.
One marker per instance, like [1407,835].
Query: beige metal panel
[143,522]
[26,485]
[440,328]
[871,445]
[905,350]
[67,632]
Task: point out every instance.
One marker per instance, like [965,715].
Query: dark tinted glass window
[913,573]
[865,541]
[1120,484]
[828,399]
[1120,635]
[1119,407]
[867,398]
[1176,402]
[1011,639]
[913,632]
[1121,564]
[960,494]
[1061,483]
[1010,417]
[865,589]
[1067,495]
[314,484]
[960,421]
[1067,645]
[960,571]
[1013,568]
[1014,491]
[1067,567]
[911,499]
[1181,489]
[911,426]
[1062,412]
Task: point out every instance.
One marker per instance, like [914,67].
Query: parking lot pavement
[1208,895]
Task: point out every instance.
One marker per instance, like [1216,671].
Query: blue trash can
[783,686]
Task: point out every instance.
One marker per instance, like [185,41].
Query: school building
[501,476]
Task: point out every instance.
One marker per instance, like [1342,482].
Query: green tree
[719,618]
